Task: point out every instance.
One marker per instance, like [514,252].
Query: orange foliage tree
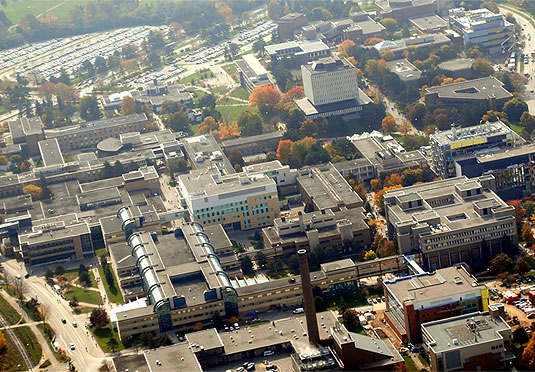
[224,11]
[393,179]
[287,99]
[284,149]
[379,199]
[34,191]
[344,46]
[265,99]
[519,211]
[227,130]
[528,355]
[208,125]
[375,184]
[373,40]
[389,124]
[128,106]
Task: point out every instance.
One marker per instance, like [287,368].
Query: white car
[71,346]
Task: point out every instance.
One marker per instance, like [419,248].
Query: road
[529,32]
[87,355]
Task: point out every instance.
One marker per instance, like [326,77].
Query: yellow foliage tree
[3,341]
[128,106]
[208,125]
[34,191]
[344,46]
[227,130]
[389,124]
[370,255]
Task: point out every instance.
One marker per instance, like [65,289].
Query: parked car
[268,352]
[299,310]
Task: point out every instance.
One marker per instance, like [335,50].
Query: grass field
[410,363]
[103,335]
[72,274]
[10,359]
[229,101]
[231,113]
[10,314]
[82,295]
[114,294]
[240,93]
[16,9]
[28,339]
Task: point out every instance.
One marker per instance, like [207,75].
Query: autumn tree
[386,249]
[3,160]
[393,179]
[370,255]
[372,41]
[519,211]
[379,197]
[375,184]
[287,99]
[265,99]
[208,125]
[528,355]
[284,149]
[344,47]
[527,233]
[34,191]
[3,342]
[227,130]
[46,90]
[389,124]
[482,67]
[390,24]
[128,106]
[405,127]
[224,11]
[501,263]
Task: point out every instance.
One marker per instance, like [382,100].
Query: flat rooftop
[327,187]
[404,69]
[480,131]
[429,22]
[418,41]
[174,358]
[305,46]
[200,184]
[431,286]
[464,331]
[456,64]
[97,124]
[25,126]
[477,89]
[50,152]
[252,139]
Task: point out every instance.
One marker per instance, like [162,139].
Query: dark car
[64,321]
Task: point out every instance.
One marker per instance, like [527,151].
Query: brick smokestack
[310,311]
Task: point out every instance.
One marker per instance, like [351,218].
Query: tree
[89,108]
[389,124]
[112,344]
[249,123]
[520,336]
[60,270]
[375,184]
[128,106]
[482,67]
[3,160]
[177,122]
[108,170]
[370,255]
[501,263]
[261,259]
[528,121]
[153,59]
[284,149]
[45,191]
[521,266]
[390,24]
[274,9]
[3,342]
[84,279]
[247,265]
[20,288]
[258,46]
[265,99]
[98,318]
[44,313]
[514,108]
[293,264]
[49,274]
[528,355]
[208,100]
[386,249]
[208,125]
[344,46]
[527,233]
[519,211]
[34,191]
[198,326]
[235,157]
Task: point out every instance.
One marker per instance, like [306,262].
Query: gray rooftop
[404,69]
[459,135]
[25,126]
[305,46]
[464,331]
[92,125]
[482,88]
[456,64]
[328,64]
[430,286]
[252,139]
[50,152]
[405,43]
[429,22]
[174,358]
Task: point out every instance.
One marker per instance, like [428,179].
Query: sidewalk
[101,289]
[33,326]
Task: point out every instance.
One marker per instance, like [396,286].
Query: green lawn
[410,363]
[516,127]
[231,113]
[230,68]
[196,76]
[70,275]
[50,336]
[229,101]
[198,94]
[103,335]
[16,9]
[28,339]
[83,295]
[398,137]
[9,313]
[194,128]
[101,252]
[219,90]
[114,294]
[240,92]
[10,359]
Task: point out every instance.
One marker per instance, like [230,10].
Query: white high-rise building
[330,80]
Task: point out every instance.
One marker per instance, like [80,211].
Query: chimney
[310,311]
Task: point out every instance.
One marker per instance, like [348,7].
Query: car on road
[64,321]
[27,276]
[268,352]
[299,310]
[75,325]
[71,346]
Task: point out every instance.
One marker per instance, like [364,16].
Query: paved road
[87,356]
[529,32]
